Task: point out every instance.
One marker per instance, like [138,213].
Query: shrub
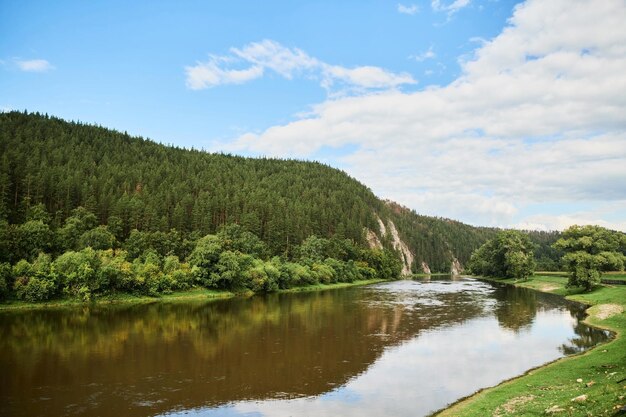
[263,276]
[99,238]
[36,281]
[34,288]
[77,270]
[5,280]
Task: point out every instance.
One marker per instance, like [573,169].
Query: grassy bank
[122,298]
[596,378]
[195,294]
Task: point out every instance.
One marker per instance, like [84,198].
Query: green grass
[194,294]
[122,298]
[614,275]
[555,385]
[606,275]
[552,273]
[318,287]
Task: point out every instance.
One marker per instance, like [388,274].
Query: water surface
[404,348]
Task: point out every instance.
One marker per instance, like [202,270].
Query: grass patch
[318,287]
[552,273]
[122,298]
[595,377]
[618,276]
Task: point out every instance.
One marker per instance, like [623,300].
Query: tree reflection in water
[166,357]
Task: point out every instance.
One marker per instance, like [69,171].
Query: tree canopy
[138,216]
[509,255]
[589,250]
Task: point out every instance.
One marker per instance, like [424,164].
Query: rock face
[456,268]
[425,268]
[399,245]
[381,226]
[372,240]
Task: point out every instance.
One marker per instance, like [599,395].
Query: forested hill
[133,183]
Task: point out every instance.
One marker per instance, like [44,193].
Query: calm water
[404,348]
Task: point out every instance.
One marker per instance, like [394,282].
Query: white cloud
[33,65]
[596,216]
[410,9]
[366,77]
[287,62]
[273,55]
[209,74]
[537,116]
[451,8]
[428,54]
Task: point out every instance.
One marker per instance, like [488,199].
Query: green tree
[589,250]
[78,223]
[235,238]
[231,271]
[98,238]
[36,281]
[5,280]
[204,258]
[77,273]
[38,212]
[33,237]
[313,249]
[508,255]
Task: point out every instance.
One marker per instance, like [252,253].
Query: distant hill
[139,184]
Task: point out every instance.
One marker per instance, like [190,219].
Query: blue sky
[317,80]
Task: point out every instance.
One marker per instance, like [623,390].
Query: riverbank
[195,294]
[591,383]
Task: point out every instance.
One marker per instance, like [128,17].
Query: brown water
[404,348]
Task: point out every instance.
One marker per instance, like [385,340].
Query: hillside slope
[134,183]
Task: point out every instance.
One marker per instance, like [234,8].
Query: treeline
[133,185]
[85,260]
[547,256]
[587,252]
[437,240]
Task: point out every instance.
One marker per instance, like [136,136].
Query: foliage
[5,279]
[508,255]
[74,177]
[590,250]
[33,237]
[34,282]
[98,238]
[80,221]
[123,214]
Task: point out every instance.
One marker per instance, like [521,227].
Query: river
[403,348]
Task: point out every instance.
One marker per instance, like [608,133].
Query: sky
[493,112]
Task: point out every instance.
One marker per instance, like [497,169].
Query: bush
[324,273]
[263,276]
[115,272]
[36,281]
[34,288]
[231,272]
[77,270]
[204,258]
[179,273]
[99,238]
[5,280]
